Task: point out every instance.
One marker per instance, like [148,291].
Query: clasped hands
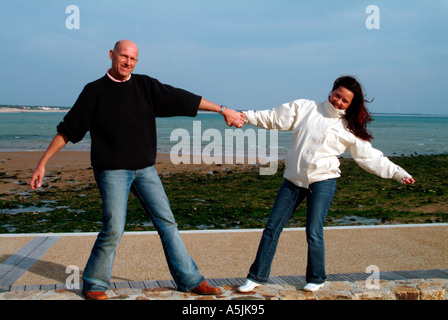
[234,118]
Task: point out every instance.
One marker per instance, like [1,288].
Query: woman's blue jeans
[319,198]
[114,186]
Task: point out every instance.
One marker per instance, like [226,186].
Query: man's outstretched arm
[232,117]
[59,142]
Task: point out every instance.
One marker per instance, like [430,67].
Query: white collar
[115,80]
[331,111]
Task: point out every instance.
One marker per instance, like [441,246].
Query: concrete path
[47,262]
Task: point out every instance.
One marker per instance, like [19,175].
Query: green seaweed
[242,198]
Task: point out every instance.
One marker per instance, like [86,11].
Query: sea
[394,135]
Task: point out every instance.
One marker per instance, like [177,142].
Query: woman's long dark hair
[357,115]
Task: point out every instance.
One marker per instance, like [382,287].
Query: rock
[407,289]
[333,295]
[230,288]
[268,295]
[341,286]
[205,298]
[20,295]
[432,290]
[374,295]
[161,293]
[247,298]
[295,295]
[126,291]
[405,292]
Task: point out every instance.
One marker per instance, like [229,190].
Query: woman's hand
[408,181]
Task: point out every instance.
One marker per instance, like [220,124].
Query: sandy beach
[20,165]
[73,168]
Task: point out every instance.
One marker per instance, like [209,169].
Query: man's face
[124,58]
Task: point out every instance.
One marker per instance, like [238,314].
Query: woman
[320,133]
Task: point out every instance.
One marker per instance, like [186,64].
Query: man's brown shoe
[94,295]
[206,289]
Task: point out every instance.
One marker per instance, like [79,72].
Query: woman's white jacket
[319,136]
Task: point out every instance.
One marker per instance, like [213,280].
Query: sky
[244,54]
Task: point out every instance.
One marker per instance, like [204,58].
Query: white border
[86,234]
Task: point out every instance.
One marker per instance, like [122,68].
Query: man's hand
[59,141]
[37,177]
[234,118]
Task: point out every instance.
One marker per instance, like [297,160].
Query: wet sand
[73,167]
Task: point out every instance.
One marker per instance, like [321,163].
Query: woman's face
[341,98]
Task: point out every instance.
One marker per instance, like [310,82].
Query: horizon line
[19,107]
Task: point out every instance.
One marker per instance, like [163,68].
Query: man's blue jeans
[319,198]
[115,186]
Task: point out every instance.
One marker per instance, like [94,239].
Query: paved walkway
[410,262]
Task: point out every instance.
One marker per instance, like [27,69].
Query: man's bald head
[123,44]
[124,57]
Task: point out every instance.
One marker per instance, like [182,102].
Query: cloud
[257,52]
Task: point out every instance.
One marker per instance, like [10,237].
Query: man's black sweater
[121,119]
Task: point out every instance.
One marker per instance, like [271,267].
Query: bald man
[119,111]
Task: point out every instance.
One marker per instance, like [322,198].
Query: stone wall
[414,289]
